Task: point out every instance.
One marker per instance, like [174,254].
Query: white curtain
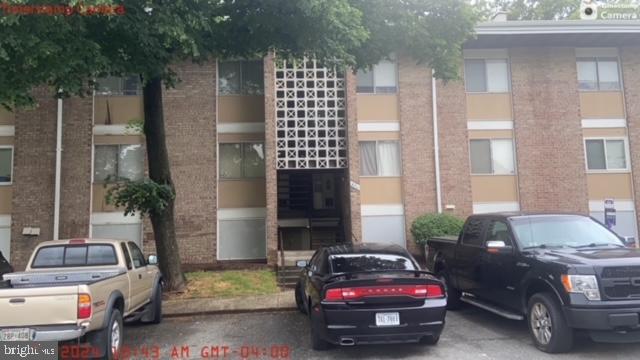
[368,164]
[497,75]
[502,153]
[389,158]
[616,155]
[587,75]
[385,76]
[608,75]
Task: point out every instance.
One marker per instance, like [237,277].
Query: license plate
[20,334]
[387,319]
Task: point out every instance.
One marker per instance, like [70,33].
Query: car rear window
[75,255]
[369,262]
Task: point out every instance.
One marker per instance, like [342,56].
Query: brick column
[353,149]
[453,138]
[548,132]
[271,172]
[416,134]
[630,61]
[33,175]
[75,189]
[190,120]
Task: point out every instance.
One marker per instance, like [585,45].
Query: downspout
[436,145]
[56,200]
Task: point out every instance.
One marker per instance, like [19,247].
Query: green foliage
[532,9]
[134,126]
[140,197]
[429,225]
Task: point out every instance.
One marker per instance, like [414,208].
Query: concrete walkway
[284,300]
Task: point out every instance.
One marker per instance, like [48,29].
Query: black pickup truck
[562,273]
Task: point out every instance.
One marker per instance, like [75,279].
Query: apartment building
[271,157]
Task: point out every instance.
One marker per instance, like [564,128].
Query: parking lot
[469,334]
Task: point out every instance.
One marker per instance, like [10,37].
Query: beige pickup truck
[81,290]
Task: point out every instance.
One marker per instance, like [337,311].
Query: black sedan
[5,268]
[369,294]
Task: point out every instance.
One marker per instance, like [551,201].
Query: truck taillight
[84,306]
[355,293]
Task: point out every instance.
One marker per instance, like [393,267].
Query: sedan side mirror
[153,260]
[302,264]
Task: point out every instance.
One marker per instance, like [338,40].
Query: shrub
[429,225]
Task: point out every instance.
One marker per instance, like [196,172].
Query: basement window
[6,165]
[117,162]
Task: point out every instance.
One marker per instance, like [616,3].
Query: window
[499,231]
[598,74]
[240,78]
[606,154]
[491,156]
[473,232]
[136,255]
[116,162]
[125,253]
[113,85]
[6,165]
[379,158]
[486,75]
[381,79]
[75,255]
[241,160]
[118,231]
[369,262]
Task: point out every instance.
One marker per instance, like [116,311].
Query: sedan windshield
[561,231]
[346,263]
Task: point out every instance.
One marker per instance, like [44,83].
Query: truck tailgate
[26,306]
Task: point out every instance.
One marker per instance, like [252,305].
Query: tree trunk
[164,230]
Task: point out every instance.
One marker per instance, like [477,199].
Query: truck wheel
[299,301]
[114,335]
[547,324]
[453,294]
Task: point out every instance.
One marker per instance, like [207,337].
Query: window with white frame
[606,154]
[381,79]
[241,77]
[598,74]
[380,158]
[241,160]
[492,156]
[115,85]
[486,75]
[6,165]
[117,162]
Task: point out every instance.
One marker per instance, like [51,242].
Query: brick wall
[416,134]
[190,120]
[550,155]
[630,61]
[355,228]
[271,174]
[455,173]
[75,189]
[33,175]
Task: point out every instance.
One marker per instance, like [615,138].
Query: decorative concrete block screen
[310,116]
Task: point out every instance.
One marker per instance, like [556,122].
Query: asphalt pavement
[469,333]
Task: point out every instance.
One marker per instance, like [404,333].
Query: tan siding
[489,188]
[601,105]
[6,117]
[241,193]
[378,135]
[603,186]
[99,202]
[122,109]
[605,132]
[377,107]
[6,196]
[490,134]
[6,140]
[489,106]
[222,138]
[380,190]
[239,108]
[118,139]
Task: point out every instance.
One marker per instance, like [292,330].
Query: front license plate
[388,319]
[20,334]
